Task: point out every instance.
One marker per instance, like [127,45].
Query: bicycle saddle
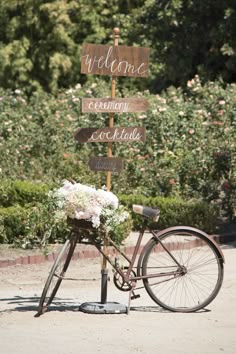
[147,211]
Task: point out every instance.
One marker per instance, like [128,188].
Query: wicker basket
[80,224]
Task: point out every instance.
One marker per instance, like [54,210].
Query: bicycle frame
[126,276]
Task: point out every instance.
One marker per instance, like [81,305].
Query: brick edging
[87,253]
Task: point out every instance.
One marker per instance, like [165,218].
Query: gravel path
[147,329]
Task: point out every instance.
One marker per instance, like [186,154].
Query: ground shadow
[160,309]
[26,304]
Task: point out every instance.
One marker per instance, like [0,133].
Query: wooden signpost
[115,105]
[115,61]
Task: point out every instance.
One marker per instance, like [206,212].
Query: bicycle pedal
[133,297]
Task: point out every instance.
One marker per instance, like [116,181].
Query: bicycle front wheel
[56,275]
[184,270]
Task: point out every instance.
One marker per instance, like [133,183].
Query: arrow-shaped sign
[113,164]
[114,105]
[106,135]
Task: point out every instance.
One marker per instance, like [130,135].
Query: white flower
[78,201]
[161,109]
[70,91]
[78,86]
[222,102]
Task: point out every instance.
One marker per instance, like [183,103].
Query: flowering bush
[190,149]
[78,201]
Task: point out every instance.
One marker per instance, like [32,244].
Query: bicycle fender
[179,228]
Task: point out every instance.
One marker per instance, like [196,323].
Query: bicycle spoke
[199,264]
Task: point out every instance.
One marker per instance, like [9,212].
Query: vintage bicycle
[180,267]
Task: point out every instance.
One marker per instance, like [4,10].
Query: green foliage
[175,211]
[122,230]
[186,37]
[30,226]
[22,192]
[190,149]
[40,41]
[28,217]
[35,224]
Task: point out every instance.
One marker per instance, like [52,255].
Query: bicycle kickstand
[132,296]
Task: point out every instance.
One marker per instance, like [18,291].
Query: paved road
[147,329]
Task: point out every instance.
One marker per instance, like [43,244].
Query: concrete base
[107,308]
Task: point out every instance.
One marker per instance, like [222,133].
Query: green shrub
[34,225]
[190,150]
[22,192]
[13,222]
[31,226]
[175,211]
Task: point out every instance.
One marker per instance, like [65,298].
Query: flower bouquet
[88,207]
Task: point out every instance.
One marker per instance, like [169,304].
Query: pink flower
[172,181]
[226,186]
[214,122]
[191,131]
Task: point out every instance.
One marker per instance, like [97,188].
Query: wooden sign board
[110,135]
[114,60]
[112,164]
[114,105]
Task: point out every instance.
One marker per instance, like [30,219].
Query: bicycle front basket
[80,224]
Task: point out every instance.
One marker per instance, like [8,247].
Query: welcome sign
[112,60]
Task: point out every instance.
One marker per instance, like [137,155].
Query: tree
[40,41]
[187,37]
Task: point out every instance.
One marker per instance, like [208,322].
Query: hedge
[176,211]
[22,192]
[30,226]
[26,218]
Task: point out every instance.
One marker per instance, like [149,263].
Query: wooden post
[111,115]
[104,270]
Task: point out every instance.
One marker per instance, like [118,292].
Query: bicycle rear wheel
[56,275]
[187,278]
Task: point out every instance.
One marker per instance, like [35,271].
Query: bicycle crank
[121,284]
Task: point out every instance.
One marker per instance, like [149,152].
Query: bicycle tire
[57,272]
[203,269]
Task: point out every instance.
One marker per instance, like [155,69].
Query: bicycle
[181,267]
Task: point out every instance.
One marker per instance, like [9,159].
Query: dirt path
[147,329]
